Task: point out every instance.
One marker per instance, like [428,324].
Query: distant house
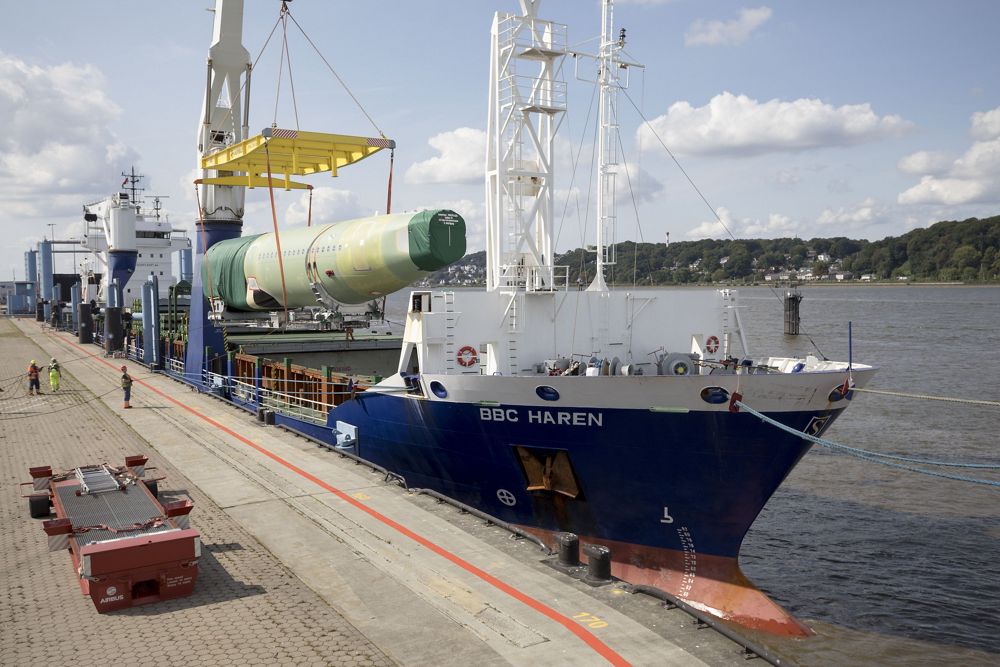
[843,275]
[823,257]
[867,277]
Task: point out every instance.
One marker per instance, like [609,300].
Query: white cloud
[726,33]
[462,158]
[57,134]
[57,149]
[328,205]
[925,162]
[843,221]
[947,191]
[986,124]
[776,225]
[974,178]
[643,184]
[739,125]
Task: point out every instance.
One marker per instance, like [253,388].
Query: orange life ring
[712,344]
[467,356]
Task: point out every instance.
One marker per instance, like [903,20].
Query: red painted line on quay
[593,642]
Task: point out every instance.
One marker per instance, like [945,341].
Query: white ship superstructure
[119,223]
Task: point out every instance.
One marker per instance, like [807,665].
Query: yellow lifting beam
[290,153]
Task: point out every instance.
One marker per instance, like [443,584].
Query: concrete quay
[308,559]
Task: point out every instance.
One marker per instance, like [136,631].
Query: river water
[889,566]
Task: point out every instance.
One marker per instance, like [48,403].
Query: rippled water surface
[894,567]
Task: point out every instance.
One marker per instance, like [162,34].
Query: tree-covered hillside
[967,250]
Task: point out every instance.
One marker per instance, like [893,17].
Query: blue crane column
[186,270]
[31,266]
[74,292]
[202,333]
[45,277]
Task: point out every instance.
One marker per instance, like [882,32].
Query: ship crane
[324,266]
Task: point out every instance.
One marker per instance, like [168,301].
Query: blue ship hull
[640,476]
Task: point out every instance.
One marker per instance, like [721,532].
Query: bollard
[569,549]
[598,565]
[85,328]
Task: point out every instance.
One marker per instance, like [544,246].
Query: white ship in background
[120,227]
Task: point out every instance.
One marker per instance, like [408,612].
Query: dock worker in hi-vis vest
[54,374]
[33,386]
[126,386]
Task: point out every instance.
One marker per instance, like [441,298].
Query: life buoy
[467,356]
[712,344]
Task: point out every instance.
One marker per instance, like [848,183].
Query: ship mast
[527,101]
[609,81]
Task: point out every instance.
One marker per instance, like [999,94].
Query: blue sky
[862,119]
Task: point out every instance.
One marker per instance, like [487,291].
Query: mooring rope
[876,457]
[927,397]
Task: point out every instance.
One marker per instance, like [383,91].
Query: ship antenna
[157,204]
[131,183]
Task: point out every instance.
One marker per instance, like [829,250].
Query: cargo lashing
[97,479]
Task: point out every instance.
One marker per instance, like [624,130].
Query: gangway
[127,547]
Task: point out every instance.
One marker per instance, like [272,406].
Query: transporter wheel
[39,506]
[153,487]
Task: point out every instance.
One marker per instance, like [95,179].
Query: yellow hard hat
[32,362]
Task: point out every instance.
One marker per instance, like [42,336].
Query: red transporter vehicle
[127,548]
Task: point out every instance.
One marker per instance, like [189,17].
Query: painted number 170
[590,620]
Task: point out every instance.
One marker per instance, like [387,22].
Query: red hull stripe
[593,642]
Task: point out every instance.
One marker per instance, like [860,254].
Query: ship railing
[534,94]
[548,278]
[175,365]
[294,406]
[243,391]
[134,351]
[527,35]
[217,382]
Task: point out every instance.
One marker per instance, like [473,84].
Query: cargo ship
[611,414]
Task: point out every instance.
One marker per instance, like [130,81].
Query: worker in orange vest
[33,386]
